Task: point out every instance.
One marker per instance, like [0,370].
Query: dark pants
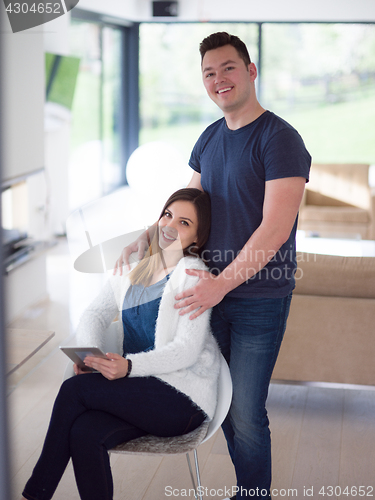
[92,415]
[249,332]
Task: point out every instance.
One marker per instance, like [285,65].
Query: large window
[319,77]
[96,164]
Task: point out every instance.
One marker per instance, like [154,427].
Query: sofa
[330,334]
[339,201]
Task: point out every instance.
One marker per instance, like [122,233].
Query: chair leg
[198,475]
[197,491]
[192,476]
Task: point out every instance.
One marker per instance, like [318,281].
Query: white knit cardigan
[185,354]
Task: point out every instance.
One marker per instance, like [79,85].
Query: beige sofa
[338,200]
[330,335]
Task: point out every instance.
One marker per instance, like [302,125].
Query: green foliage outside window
[319,77]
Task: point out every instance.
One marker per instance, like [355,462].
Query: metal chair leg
[192,476]
[198,475]
[197,490]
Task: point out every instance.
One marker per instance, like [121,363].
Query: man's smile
[226,89]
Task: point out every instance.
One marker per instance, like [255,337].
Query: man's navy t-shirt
[234,166]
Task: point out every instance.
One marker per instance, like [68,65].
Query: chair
[152,445]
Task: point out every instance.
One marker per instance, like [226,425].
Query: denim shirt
[139,313]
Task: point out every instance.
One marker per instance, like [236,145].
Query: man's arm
[195,181]
[281,203]
[138,246]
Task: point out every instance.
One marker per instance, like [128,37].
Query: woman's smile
[168,237]
[179,223]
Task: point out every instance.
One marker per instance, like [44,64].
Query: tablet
[77,354]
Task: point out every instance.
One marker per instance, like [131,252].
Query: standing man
[254,166]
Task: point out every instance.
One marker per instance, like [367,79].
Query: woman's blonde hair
[144,271]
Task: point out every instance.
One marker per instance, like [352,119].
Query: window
[96,166]
[319,77]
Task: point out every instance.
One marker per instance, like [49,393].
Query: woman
[165,384]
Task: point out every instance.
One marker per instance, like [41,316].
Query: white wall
[242,10]
[56,35]
[23,97]
[125,9]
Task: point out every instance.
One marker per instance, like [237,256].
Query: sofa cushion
[331,275]
[328,339]
[334,214]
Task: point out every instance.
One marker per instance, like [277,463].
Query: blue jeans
[92,415]
[249,332]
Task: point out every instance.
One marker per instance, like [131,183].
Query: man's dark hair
[222,38]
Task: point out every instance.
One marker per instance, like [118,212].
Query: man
[254,166]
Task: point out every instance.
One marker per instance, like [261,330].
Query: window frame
[129,93]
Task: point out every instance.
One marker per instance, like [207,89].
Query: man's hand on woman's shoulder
[204,295]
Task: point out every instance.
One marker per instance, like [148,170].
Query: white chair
[151,445]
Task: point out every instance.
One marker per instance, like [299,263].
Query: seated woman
[166,382]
